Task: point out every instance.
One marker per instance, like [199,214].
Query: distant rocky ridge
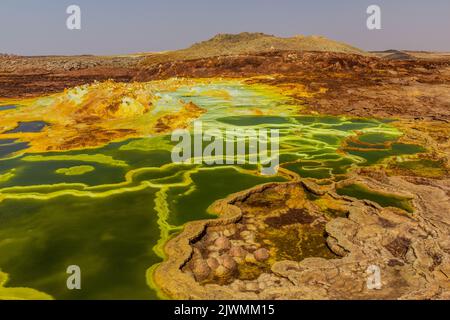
[394,55]
[225,44]
[247,42]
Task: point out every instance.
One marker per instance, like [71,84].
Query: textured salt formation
[411,249]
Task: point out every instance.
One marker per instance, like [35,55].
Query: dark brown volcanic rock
[354,84]
[35,76]
[285,62]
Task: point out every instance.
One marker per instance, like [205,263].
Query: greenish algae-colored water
[385,200]
[113,221]
[104,236]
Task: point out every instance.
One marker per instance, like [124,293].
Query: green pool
[110,210]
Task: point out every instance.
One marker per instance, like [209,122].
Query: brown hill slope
[246,42]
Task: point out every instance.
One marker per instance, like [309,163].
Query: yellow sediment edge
[96,158]
[7,176]
[20,293]
[75,170]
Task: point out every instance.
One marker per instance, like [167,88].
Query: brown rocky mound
[247,42]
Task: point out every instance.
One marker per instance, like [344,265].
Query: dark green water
[109,238]
[384,200]
[31,126]
[8,107]
[210,185]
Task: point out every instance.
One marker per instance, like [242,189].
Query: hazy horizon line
[256,32]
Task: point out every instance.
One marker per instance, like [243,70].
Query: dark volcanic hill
[226,44]
[394,55]
[246,42]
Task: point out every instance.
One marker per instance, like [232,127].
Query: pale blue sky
[34,27]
